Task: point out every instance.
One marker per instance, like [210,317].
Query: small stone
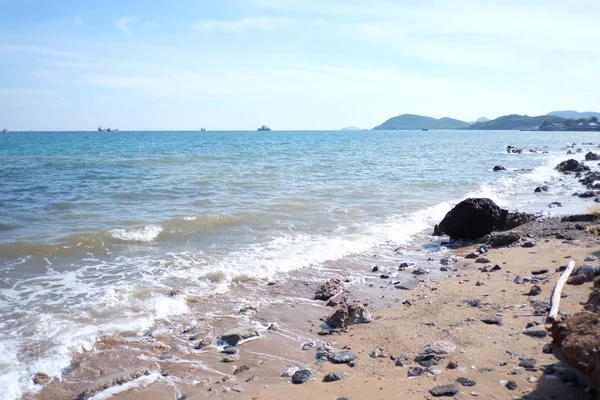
[341,357]
[472,256]
[301,376]
[591,258]
[444,390]
[528,244]
[534,291]
[241,369]
[415,371]
[479,283]
[409,284]
[466,382]
[378,353]
[375,269]
[238,389]
[495,268]
[528,363]
[538,331]
[492,320]
[518,280]
[511,385]
[532,379]
[231,358]
[473,303]
[428,360]
[230,351]
[420,271]
[334,376]
[547,349]
[439,348]
[540,271]
[234,336]
[452,365]
[482,260]
[405,265]
[329,289]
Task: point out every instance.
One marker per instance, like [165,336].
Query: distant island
[553,121]
[415,122]
[351,128]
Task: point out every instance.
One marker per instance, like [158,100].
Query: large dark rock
[349,314]
[236,335]
[444,390]
[329,289]
[301,376]
[473,218]
[572,165]
[590,156]
[499,168]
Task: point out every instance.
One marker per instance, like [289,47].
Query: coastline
[403,322]
[170,365]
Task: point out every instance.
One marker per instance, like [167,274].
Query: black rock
[540,189]
[534,291]
[572,165]
[329,289]
[375,268]
[528,244]
[405,265]
[482,260]
[473,218]
[444,390]
[341,357]
[415,371]
[590,156]
[427,360]
[473,303]
[540,271]
[511,385]
[528,363]
[301,376]
[466,382]
[499,168]
[472,256]
[495,268]
[547,349]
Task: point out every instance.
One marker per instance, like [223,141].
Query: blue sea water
[88,221]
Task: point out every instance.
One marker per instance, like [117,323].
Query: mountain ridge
[416,122]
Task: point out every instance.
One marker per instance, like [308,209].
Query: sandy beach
[452,310]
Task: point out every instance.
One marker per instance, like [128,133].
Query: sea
[104,233]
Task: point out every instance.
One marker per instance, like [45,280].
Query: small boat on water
[112,130]
[425,129]
[101,129]
[264,128]
[4,130]
[202,130]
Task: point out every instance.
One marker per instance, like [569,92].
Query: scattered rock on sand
[341,357]
[528,363]
[378,353]
[408,284]
[473,218]
[466,382]
[501,239]
[534,291]
[589,271]
[420,271]
[499,168]
[511,385]
[439,347]
[236,335]
[329,289]
[591,156]
[540,189]
[334,376]
[301,376]
[528,244]
[514,219]
[444,390]
[538,331]
[349,314]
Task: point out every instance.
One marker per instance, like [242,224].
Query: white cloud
[242,26]
[123,24]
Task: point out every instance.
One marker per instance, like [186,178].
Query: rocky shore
[476,330]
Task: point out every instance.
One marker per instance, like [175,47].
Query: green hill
[416,122]
[515,121]
[574,114]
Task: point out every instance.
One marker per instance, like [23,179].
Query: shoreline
[165,366]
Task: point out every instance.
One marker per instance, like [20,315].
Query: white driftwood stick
[556,293]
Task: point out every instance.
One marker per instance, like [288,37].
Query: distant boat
[264,128]
[202,130]
[101,129]
[112,130]
[424,129]
[4,130]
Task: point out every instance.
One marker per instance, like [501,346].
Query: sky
[291,64]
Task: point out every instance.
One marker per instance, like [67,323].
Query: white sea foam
[144,234]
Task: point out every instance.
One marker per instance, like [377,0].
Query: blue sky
[291,64]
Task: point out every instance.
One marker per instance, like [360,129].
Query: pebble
[415,371]
[334,376]
[479,283]
[238,389]
[444,390]
[231,358]
[301,376]
[439,347]
[518,280]
[528,244]
[538,331]
[511,385]
[528,363]
[591,258]
[421,271]
[466,382]
[482,260]
[534,291]
[341,357]
[289,372]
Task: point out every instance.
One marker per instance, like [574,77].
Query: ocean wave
[143,234]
